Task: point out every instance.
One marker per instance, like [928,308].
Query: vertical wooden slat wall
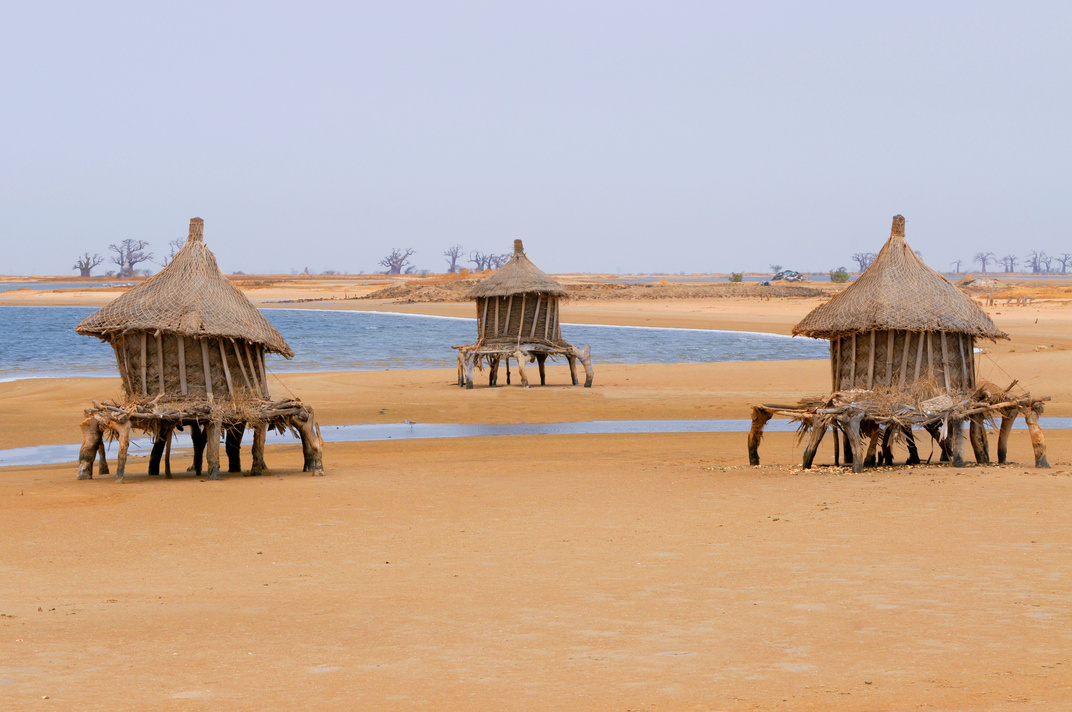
[150,364]
[899,358]
[522,315]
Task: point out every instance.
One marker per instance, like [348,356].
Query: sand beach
[572,572]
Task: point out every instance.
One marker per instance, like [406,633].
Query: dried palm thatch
[189,297]
[898,292]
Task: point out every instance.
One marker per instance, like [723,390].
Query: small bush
[736,276]
[839,275]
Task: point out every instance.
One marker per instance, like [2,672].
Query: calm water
[41,342]
[11,286]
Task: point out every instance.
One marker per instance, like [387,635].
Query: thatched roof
[191,297]
[518,276]
[898,291]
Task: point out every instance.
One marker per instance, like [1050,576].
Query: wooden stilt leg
[755,435]
[956,437]
[103,457]
[913,453]
[521,359]
[167,451]
[493,368]
[887,446]
[586,360]
[234,447]
[870,460]
[835,433]
[507,360]
[212,448]
[977,433]
[158,452]
[1007,420]
[1038,442]
[124,445]
[312,445]
[540,360]
[91,443]
[846,446]
[851,426]
[572,368]
[461,370]
[197,435]
[818,430]
[260,434]
[469,362]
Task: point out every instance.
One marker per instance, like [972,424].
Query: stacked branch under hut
[517,313]
[902,355]
[190,350]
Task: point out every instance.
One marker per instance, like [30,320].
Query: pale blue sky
[610,136]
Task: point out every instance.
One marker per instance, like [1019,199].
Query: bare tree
[497,261]
[983,258]
[397,260]
[1009,262]
[86,263]
[173,247]
[776,268]
[1065,259]
[863,259]
[1045,260]
[956,264]
[128,254]
[480,260]
[452,254]
[1033,260]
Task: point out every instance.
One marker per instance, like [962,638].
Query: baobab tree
[480,260]
[983,258]
[1009,262]
[863,259]
[1064,259]
[452,254]
[1036,259]
[396,261]
[497,261]
[956,265]
[86,263]
[173,246]
[128,255]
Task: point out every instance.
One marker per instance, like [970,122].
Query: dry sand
[608,572]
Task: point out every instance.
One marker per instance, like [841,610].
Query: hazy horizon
[610,137]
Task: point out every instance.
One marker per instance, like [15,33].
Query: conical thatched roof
[191,297]
[518,276]
[898,291]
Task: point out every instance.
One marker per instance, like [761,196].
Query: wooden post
[160,359]
[551,300]
[818,430]
[1038,442]
[540,360]
[571,360]
[919,354]
[905,356]
[260,365]
[212,447]
[312,445]
[144,356]
[979,441]
[930,355]
[182,363]
[886,453]
[206,367]
[484,320]
[260,434]
[156,454]
[253,370]
[910,441]
[535,316]
[226,368]
[852,368]
[889,358]
[556,333]
[123,428]
[945,363]
[585,358]
[233,446]
[835,349]
[871,459]
[851,427]
[496,315]
[91,442]
[755,435]
[167,451]
[241,364]
[964,363]
[871,363]
[103,457]
[509,316]
[971,360]
[521,319]
[956,437]
[1008,417]
[469,359]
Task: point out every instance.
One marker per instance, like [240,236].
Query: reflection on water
[339,340]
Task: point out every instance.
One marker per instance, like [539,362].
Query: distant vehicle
[788,275]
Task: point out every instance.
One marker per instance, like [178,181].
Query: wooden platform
[207,422]
[492,351]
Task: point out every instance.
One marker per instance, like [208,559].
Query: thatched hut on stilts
[517,313]
[902,354]
[190,350]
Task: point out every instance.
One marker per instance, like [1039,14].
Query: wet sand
[594,572]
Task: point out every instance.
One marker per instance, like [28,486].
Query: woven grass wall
[524,315]
[900,358]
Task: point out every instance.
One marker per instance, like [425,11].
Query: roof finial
[197,230]
[518,249]
[898,226]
